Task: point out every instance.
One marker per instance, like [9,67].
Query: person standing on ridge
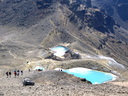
[29,70]
[10,74]
[7,74]
[18,72]
[15,73]
[21,72]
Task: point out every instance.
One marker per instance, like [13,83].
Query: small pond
[59,50]
[95,77]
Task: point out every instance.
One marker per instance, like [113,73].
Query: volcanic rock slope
[118,9]
[29,27]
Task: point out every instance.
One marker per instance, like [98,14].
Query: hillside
[118,9]
[29,28]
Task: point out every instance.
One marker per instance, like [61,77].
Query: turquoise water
[59,50]
[95,77]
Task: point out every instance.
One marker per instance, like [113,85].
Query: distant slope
[118,9]
[29,28]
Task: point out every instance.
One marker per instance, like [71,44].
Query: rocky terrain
[56,83]
[118,9]
[94,29]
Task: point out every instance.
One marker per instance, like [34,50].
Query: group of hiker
[8,74]
[16,73]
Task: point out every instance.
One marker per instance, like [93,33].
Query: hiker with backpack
[15,73]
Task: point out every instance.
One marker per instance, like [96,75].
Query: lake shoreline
[95,77]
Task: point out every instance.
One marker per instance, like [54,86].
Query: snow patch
[79,70]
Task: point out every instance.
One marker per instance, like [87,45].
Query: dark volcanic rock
[93,18]
[23,12]
[118,9]
[123,11]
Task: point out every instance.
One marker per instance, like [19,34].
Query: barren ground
[55,83]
